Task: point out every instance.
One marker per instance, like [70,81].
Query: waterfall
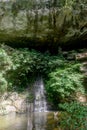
[37,114]
[40,104]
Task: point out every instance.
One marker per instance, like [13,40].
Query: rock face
[13,102]
[39,23]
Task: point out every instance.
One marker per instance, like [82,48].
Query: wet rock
[7,109]
[6,102]
[10,108]
[13,102]
[20,105]
[14,96]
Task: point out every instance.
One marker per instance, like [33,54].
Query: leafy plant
[74,116]
[63,83]
[18,66]
[5,66]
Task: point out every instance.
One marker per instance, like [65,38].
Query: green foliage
[3,83]
[26,63]
[5,62]
[63,83]
[17,65]
[5,66]
[33,61]
[74,116]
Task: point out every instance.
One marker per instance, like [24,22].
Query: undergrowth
[64,82]
[18,66]
[74,116]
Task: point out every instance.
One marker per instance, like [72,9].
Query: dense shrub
[18,66]
[5,66]
[74,116]
[63,83]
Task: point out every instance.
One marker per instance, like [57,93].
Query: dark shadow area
[75,45]
[44,45]
[85,83]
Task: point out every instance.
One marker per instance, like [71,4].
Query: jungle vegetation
[63,80]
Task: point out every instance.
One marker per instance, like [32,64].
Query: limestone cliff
[38,23]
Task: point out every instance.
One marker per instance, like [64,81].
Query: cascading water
[40,103]
[37,115]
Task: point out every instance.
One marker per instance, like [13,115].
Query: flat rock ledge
[13,102]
